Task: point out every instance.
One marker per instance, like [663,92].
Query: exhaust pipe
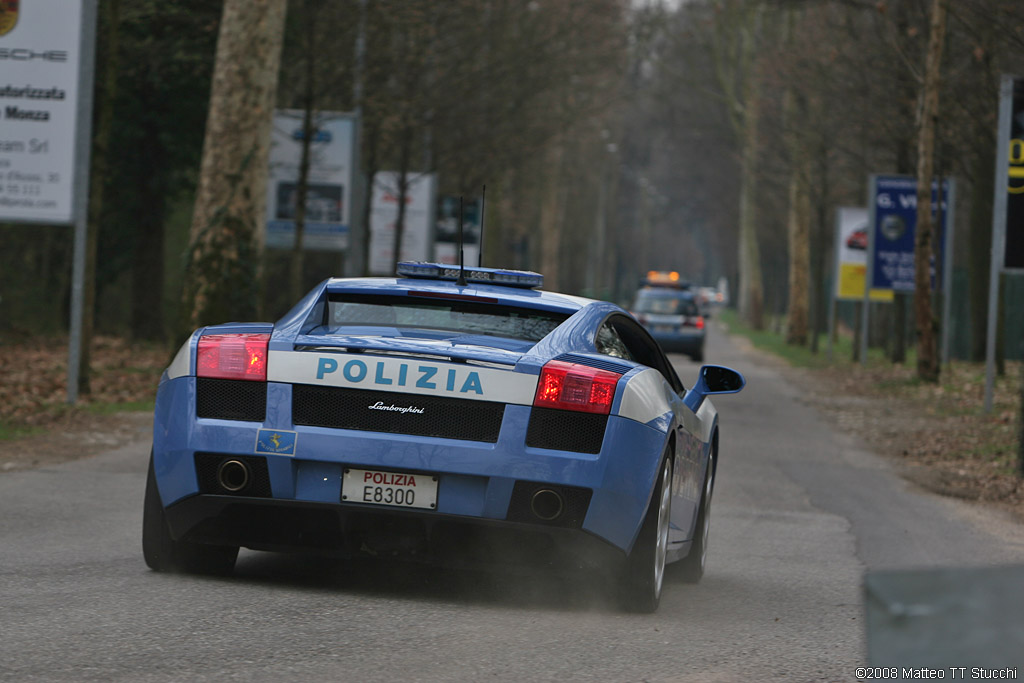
[233,475]
[547,504]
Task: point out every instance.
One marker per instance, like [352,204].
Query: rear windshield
[457,317]
[665,302]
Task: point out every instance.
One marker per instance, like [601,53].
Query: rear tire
[164,554]
[644,573]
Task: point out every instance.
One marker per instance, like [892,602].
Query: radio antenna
[461,282]
[483,205]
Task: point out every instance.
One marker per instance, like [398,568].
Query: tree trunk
[148,266]
[372,145]
[927,234]
[297,258]
[798,219]
[405,157]
[820,242]
[799,254]
[980,245]
[858,331]
[751,284]
[297,261]
[226,239]
[899,334]
[550,228]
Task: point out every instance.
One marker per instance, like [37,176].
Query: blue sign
[894,219]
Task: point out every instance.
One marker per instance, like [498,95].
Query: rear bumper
[352,531]
[477,481]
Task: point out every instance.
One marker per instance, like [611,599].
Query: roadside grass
[774,341]
[9,432]
[942,426]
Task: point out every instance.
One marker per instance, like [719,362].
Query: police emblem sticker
[276,442]
[8,15]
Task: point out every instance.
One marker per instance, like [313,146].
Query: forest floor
[937,435]
[37,425]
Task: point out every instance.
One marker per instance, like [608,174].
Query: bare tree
[226,245]
[737,30]
[799,218]
[926,237]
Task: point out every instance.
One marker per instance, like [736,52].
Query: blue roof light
[493,276]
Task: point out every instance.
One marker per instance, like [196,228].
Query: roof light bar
[665,278]
[493,276]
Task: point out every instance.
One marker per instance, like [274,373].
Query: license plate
[397,489]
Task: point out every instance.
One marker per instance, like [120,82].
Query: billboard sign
[892,230]
[328,186]
[1013,252]
[418,221]
[852,256]
[40,51]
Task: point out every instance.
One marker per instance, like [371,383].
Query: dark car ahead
[673,318]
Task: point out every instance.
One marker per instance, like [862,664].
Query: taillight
[233,356]
[700,322]
[568,386]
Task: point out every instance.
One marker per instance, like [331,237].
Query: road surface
[800,513]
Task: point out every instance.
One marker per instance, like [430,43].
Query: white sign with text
[417,220]
[39,60]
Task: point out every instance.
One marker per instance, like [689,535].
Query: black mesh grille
[231,399]
[258,480]
[451,418]
[566,430]
[575,502]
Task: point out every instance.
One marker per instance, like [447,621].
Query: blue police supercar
[445,415]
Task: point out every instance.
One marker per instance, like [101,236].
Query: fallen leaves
[34,376]
[938,433]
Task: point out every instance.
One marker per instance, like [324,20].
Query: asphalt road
[800,513]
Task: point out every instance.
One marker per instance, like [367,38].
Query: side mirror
[713,379]
[718,379]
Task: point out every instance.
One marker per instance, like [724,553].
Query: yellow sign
[8,15]
[1016,184]
[851,283]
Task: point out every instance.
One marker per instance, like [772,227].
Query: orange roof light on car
[665,278]
[662,276]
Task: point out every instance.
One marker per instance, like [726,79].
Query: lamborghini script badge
[379,405]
